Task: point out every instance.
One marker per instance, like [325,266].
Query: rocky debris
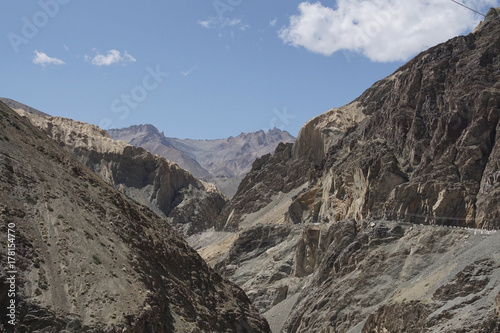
[390,277]
[223,162]
[89,259]
[253,242]
[189,204]
[471,280]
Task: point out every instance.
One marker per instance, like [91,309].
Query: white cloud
[273,22]
[112,57]
[382,30]
[43,60]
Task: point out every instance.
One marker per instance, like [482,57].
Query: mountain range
[381,216]
[223,162]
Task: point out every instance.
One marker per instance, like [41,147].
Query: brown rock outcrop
[408,317]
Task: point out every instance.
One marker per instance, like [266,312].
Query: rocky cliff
[362,219]
[269,176]
[89,259]
[223,162]
[424,150]
[189,204]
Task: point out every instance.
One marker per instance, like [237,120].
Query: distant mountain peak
[207,159]
[140,128]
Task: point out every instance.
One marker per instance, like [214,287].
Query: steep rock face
[223,162]
[188,203]
[427,149]
[426,152]
[89,259]
[262,261]
[320,133]
[270,175]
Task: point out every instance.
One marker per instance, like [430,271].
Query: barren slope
[91,260]
[187,203]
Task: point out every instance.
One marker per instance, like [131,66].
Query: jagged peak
[148,128]
[491,15]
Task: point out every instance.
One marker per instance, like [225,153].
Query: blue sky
[211,69]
